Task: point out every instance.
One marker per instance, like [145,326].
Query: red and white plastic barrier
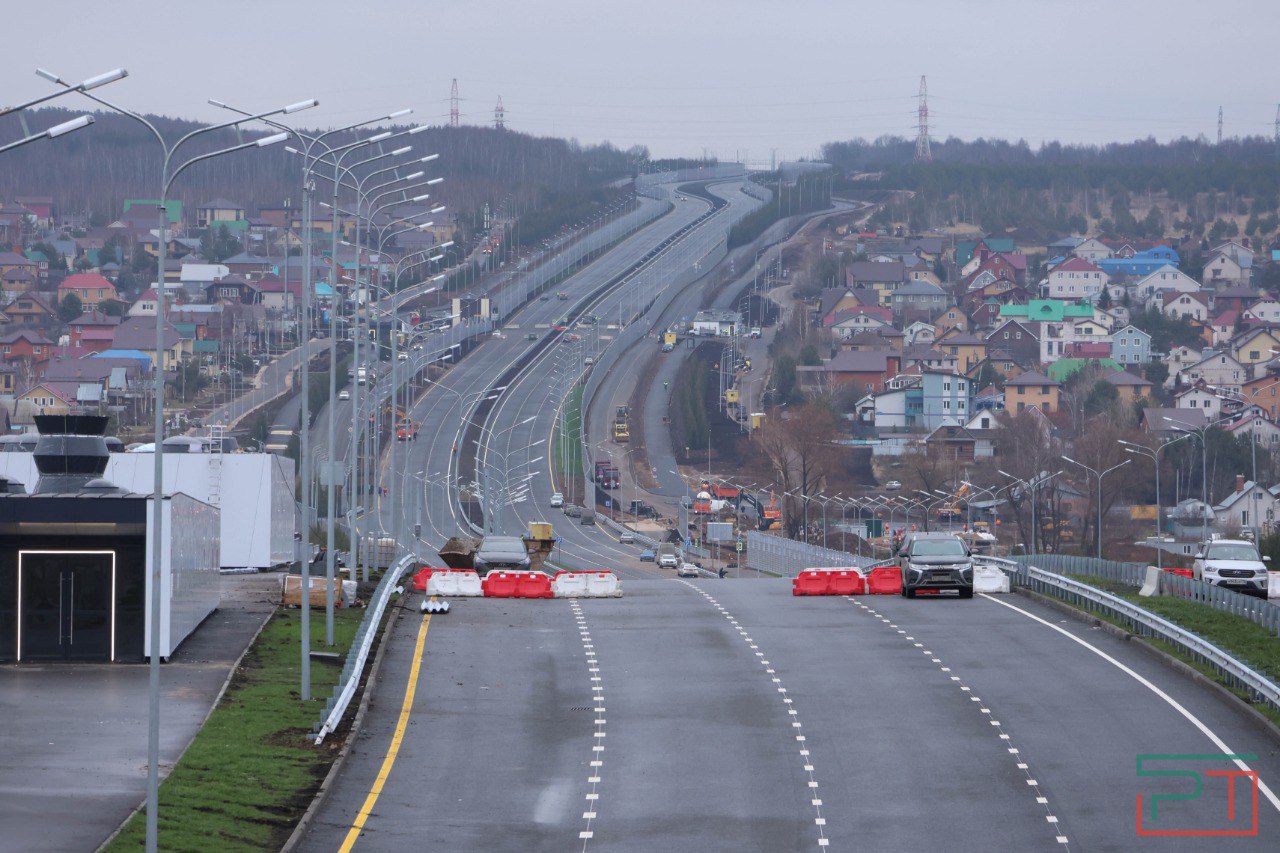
[454,582]
[586,585]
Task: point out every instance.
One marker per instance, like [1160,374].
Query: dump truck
[607,475]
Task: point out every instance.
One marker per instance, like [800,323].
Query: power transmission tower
[453,104]
[923,155]
[1219,125]
[499,115]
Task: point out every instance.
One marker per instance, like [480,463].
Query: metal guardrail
[787,557]
[345,690]
[1143,623]
[1257,610]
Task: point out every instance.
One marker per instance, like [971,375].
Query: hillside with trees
[117,159]
[1144,189]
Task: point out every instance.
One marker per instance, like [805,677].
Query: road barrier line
[406,708]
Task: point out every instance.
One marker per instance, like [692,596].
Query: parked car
[936,562]
[687,570]
[647,556]
[557,499]
[1233,564]
[892,486]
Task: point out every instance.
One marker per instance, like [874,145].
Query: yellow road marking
[396,739]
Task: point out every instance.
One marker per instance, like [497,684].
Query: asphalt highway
[729,715]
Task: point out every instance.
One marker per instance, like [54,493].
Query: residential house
[13,262]
[1263,311]
[233,288]
[1076,279]
[836,299]
[919,332]
[218,212]
[25,345]
[1018,338]
[971,255]
[1222,270]
[1177,304]
[930,358]
[1263,432]
[1240,257]
[1141,263]
[928,247]
[1248,505]
[30,309]
[250,266]
[865,370]
[882,278]
[1256,346]
[1063,246]
[1199,397]
[918,298]
[952,318]
[7,383]
[1163,280]
[1171,423]
[1235,298]
[919,270]
[969,349]
[51,398]
[1130,386]
[1049,311]
[16,281]
[946,397]
[139,333]
[846,324]
[273,294]
[1131,345]
[960,444]
[90,288]
[1263,393]
[1223,327]
[1031,390]
[1092,249]
[145,305]
[92,330]
[1217,369]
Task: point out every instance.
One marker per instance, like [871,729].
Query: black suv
[935,561]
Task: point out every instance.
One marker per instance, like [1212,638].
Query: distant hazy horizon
[735,79]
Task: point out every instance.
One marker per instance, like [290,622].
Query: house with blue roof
[1141,264]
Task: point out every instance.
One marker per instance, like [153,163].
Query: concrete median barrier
[989,579]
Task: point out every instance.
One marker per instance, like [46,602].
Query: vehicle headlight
[916,568]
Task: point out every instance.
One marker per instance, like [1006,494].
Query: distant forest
[96,169]
[1137,189]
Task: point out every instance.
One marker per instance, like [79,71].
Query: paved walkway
[75,735]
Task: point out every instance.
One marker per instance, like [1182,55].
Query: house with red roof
[93,331]
[91,288]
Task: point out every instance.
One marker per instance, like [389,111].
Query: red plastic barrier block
[499,585]
[423,575]
[533,585]
[1182,573]
[811,583]
[846,583]
[886,580]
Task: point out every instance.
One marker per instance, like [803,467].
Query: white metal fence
[786,557]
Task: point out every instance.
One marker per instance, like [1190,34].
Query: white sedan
[557,499]
[687,570]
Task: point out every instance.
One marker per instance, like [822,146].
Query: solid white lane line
[1173,703]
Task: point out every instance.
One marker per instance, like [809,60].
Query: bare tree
[798,450]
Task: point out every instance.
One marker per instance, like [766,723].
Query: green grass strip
[1248,642]
[252,770]
[568,454]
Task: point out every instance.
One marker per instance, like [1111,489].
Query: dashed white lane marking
[1001,735]
[1173,703]
[598,707]
[793,716]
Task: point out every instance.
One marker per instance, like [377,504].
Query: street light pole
[1154,456]
[1100,475]
[167,177]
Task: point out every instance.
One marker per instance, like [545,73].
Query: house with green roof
[172,207]
[994,246]
[1047,311]
[1063,368]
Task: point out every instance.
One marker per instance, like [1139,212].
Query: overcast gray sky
[737,78]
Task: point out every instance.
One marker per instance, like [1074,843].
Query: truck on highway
[934,562]
[607,475]
[365,375]
[669,556]
[621,425]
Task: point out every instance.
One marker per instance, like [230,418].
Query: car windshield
[1232,551]
[937,548]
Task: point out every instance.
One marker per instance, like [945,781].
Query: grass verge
[252,770]
[569,452]
[1249,642]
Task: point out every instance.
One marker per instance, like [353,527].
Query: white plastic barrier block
[569,585]
[1273,584]
[989,579]
[603,585]
[454,583]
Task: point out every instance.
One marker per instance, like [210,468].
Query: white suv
[1232,563]
[557,499]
